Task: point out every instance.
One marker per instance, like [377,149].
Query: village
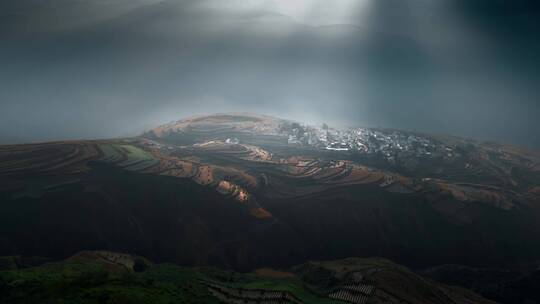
[367,141]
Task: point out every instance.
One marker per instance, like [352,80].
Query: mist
[98,69]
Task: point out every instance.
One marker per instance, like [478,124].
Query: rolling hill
[244,191]
[109,277]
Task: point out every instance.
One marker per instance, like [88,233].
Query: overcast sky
[106,68]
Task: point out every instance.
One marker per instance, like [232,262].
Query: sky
[74,69]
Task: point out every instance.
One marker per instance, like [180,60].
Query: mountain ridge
[244,192]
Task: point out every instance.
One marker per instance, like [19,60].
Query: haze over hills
[361,151]
[464,67]
[245,191]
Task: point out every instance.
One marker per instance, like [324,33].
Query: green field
[111,153]
[91,283]
[76,282]
[127,156]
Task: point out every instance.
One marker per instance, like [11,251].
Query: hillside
[245,191]
[105,277]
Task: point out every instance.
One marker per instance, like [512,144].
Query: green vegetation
[99,277]
[137,159]
[111,153]
[92,282]
[291,285]
[128,156]
[71,282]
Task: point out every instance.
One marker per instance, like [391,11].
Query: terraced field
[90,277]
[127,156]
[230,193]
[68,158]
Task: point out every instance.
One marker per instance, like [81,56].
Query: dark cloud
[435,66]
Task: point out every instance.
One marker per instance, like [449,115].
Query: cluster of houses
[367,141]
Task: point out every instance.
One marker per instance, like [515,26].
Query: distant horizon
[101,69]
[313,124]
